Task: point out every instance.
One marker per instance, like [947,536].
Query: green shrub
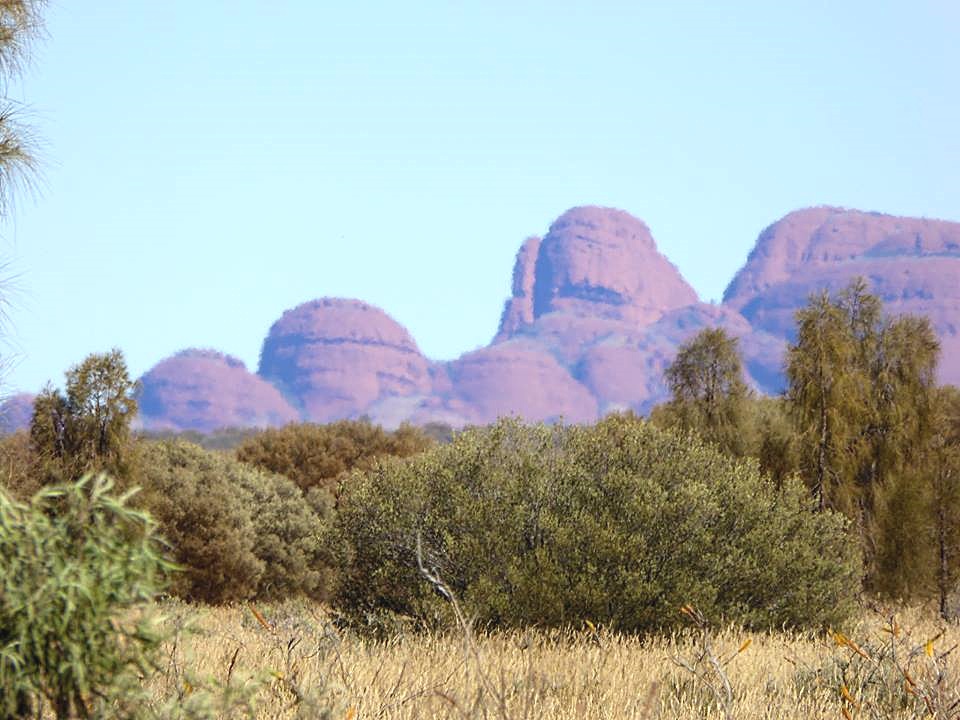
[205,520]
[77,564]
[20,468]
[239,532]
[319,455]
[618,523]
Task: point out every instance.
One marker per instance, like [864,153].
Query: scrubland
[290,660]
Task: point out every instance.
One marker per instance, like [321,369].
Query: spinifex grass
[308,669]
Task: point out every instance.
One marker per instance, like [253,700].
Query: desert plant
[893,675]
[78,565]
[618,523]
[20,468]
[239,532]
[320,455]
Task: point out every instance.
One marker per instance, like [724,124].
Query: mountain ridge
[595,314]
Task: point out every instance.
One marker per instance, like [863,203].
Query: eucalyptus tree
[708,391]
[87,427]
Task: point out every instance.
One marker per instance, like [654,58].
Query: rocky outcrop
[912,264]
[205,390]
[518,310]
[517,378]
[16,412]
[594,317]
[597,263]
[332,358]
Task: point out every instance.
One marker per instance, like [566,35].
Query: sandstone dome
[333,357]
[594,262]
[205,390]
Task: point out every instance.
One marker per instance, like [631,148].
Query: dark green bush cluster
[618,523]
[238,532]
[75,565]
[317,456]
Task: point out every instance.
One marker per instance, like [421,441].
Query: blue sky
[207,165]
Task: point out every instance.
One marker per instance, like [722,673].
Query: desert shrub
[225,439]
[319,455]
[77,566]
[238,532]
[205,520]
[619,523]
[288,528]
[20,468]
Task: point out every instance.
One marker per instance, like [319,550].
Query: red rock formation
[516,378]
[16,412]
[205,390]
[597,263]
[913,264]
[596,315]
[332,358]
[518,310]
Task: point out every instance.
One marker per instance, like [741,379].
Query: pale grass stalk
[549,675]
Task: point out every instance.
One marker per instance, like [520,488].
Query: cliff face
[912,264]
[596,263]
[596,314]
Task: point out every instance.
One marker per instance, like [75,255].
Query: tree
[822,391]
[21,22]
[706,382]
[862,390]
[317,456]
[945,496]
[87,428]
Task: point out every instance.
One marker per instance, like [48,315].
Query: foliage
[239,532]
[225,439]
[319,455]
[77,565]
[706,382]
[205,520]
[618,523]
[87,428]
[944,497]
[21,22]
[20,469]
[895,673]
[769,436]
[862,392]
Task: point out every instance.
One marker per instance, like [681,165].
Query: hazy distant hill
[596,314]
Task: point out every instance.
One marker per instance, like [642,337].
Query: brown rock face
[332,358]
[16,412]
[205,390]
[912,264]
[599,263]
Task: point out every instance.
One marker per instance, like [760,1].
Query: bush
[20,468]
[76,563]
[205,520]
[319,455]
[239,532]
[618,523]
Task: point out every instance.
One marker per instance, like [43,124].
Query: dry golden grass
[294,664]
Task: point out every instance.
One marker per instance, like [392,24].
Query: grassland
[291,662]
